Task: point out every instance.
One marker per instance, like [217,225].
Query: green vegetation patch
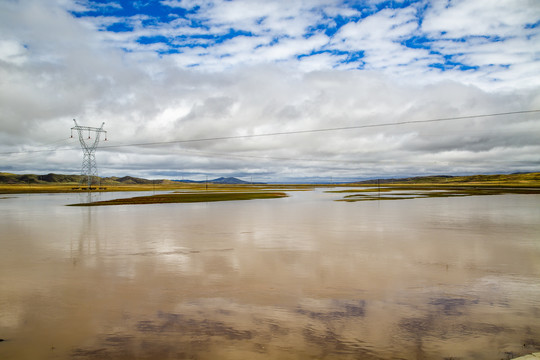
[368,190]
[519,179]
[434,191]
[187,198]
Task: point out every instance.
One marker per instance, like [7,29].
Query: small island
[191,197]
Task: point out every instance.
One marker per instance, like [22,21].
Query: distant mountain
[221,180]
[446,179]
[415,179]
[228,180]
[8,178]
[131,180]
[516,178]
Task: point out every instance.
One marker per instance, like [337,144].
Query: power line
[232,137]
[41,150]
[321,130]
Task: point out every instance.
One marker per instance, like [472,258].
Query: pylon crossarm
[78,127]
[81,129]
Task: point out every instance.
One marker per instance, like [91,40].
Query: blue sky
[177,70]
[364,35]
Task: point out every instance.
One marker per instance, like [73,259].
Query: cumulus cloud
[166,86]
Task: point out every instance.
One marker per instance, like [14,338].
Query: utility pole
[89,166]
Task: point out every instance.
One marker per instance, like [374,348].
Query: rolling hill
[8,178]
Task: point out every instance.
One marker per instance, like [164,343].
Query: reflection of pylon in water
[89,170]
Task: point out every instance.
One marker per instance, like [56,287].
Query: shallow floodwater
[292,278]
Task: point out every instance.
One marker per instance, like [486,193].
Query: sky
[271,90]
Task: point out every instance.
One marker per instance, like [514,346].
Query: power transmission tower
[89,168]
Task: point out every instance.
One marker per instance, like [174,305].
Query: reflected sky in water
[298,277]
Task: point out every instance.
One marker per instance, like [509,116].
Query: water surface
[292,278]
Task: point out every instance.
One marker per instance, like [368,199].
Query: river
[292,278]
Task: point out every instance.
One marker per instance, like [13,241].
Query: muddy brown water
[303,277]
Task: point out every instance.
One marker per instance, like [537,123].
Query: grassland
[185,197]
[408,188]
[505,180]
[70,188]
[75,187]
[170,186]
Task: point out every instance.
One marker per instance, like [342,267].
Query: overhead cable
[320,130]
[232,137]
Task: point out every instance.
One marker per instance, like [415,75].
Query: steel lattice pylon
[89,170]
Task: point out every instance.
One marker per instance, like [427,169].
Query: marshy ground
[189,193]
[420,192]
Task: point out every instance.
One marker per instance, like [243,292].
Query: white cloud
[55,67]
[288,48]
[379,36]
[187,4]
[386,25]
[321,61]
[460,18]
[12,52]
